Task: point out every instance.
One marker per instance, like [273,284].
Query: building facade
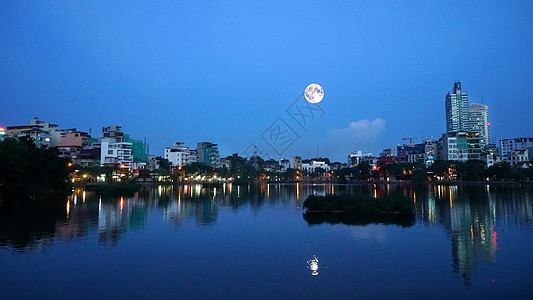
[114,132]
[507,146]
[314,166]
[178,155]
[208,154]
[295,162]
[354,158]
[459,145]
[518,157]
[478,121]
[115,153]
[456,109]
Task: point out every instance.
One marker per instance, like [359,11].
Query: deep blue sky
[222,71]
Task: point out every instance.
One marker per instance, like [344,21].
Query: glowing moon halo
[314,93]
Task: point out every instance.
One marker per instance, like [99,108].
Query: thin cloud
[362,135]
[360,131]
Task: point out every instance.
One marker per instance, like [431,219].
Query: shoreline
[358,183]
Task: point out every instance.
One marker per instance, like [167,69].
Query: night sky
[224,71]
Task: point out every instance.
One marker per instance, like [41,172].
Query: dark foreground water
[248,242]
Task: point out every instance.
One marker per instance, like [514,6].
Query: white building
[507,146]
[518,157]
[354,158]
[178,155]
[295,162]
[315,166]
[459,145]
[116,153]
[488,158]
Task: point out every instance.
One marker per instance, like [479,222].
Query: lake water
[243,242]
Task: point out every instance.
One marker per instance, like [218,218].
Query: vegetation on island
[123,188]
[360,204]
[359,210]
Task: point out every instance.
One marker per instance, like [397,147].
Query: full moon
[314,93]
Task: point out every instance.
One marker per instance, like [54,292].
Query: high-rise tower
[478,121]
[456,109]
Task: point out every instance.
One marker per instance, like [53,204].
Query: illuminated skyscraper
[478,121]
[456,109]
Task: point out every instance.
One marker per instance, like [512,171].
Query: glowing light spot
[312,264]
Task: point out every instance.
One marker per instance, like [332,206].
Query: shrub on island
[355,204]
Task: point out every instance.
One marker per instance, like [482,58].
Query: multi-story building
[431,152]
[459,145]
[52,130]
[116,153]
[77,139]
[507,146]
[314,166]
[518,157]
[295,162]
[72,143]
[208,154]
[478,121]
[193,156]
[456,109]
[178,155]
[138,150]
[225,163]
[371,161]
[40,137]
[114,132]
[284,164]
[354,158]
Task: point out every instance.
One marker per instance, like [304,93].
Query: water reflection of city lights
[75,200]
[197,189]
[121,204]
[312,264]
[68,208]
[83,196]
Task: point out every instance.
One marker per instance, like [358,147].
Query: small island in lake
[359,210]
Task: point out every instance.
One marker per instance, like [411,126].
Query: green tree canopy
[31,171]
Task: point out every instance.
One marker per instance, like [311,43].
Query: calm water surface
[254,242]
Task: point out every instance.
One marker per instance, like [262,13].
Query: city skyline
[224,72]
